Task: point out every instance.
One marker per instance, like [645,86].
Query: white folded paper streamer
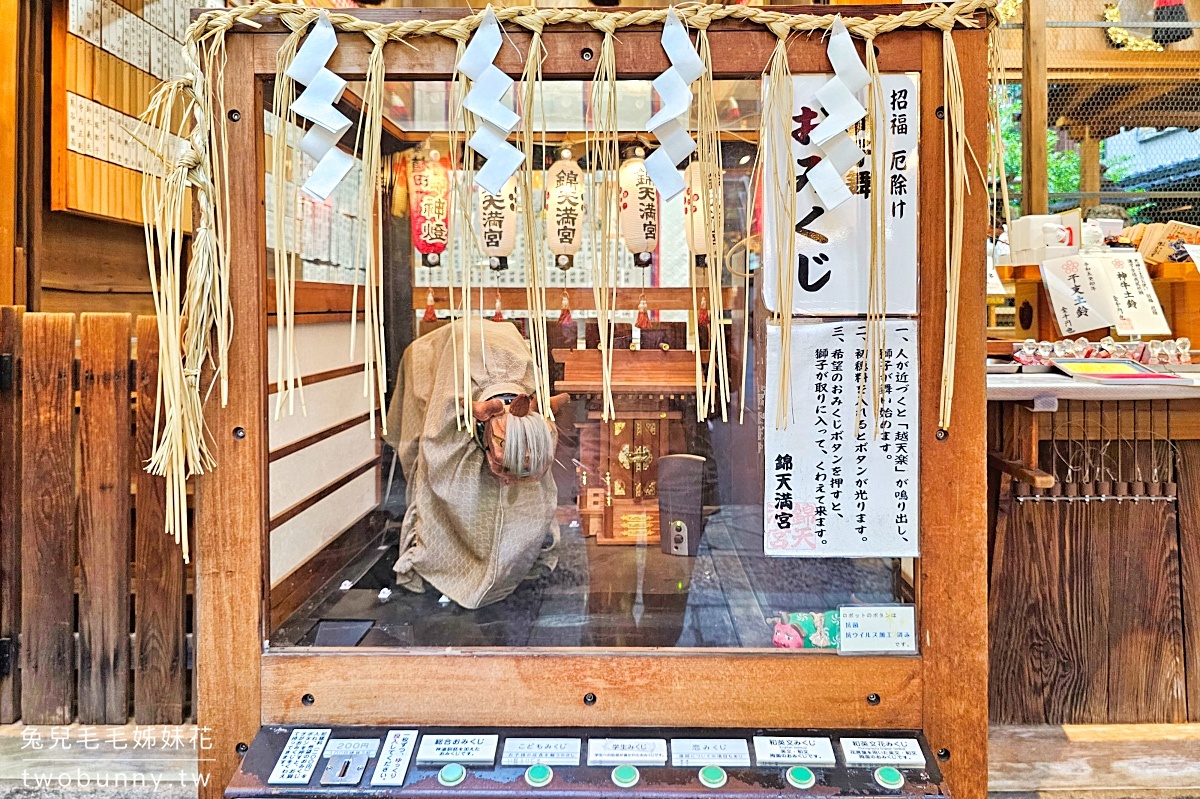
[674,90]
[494,120]
[317,104]
[842,110]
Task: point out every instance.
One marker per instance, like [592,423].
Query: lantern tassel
[564,316]
[430,308]
[702,318]
[643,317]
[498,316]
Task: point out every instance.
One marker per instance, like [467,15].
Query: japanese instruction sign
[835,489]
[833,246]
[1105,290]
[887,629]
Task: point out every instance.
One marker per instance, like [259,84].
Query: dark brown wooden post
[161,596]
[48,519]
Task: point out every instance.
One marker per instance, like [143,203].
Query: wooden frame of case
[242,683]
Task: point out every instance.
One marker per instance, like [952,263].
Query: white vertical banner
[833,245]
[831,490]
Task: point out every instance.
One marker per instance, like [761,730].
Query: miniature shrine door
[245,683]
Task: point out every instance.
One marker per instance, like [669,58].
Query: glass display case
[719,498]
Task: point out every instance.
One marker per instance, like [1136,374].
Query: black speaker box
[680,512]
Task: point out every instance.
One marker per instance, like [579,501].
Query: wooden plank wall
[47,519]
[1095,606]
[161,654]
[1188,477]
[104,519]
[62,549]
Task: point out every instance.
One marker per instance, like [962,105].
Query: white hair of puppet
[528,445]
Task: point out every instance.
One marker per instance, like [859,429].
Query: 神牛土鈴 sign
[834,490]
[833,246]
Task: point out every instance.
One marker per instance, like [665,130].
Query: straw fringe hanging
[195,321]
[535,289]
[775,157]
[715,389]
[604,156]
[874,365]
[956,187]
[285,160]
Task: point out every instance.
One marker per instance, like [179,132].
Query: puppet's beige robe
[471,537]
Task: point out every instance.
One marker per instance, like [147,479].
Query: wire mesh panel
[1123,108]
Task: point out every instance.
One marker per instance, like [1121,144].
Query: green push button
[889,778]
[626,776]
[538,775]
[801,777]
[713,777]
[452,774]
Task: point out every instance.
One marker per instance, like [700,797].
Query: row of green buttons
[800,777]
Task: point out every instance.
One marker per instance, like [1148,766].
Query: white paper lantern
[698,220]
[564,210]
[639,211]
[498,224]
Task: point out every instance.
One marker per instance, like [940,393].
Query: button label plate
[473,749]
[695,752]
[773,750]
[883,752]
[631,751]
[548,751]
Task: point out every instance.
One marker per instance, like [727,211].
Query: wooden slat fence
[94,601]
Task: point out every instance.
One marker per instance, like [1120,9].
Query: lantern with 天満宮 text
[498,224]
[639,210]
[564,210]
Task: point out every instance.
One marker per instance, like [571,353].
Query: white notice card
[888,629]
[772,750]
[627,751]
[392,765]
[547,751]
[872,752]
[465,749]
[1106,290]
[834,491]
[299,757]
[696,752]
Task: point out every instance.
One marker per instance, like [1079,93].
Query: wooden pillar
[1035,197]
[10,81]
[1089,170]
[953,584]
[231,503]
